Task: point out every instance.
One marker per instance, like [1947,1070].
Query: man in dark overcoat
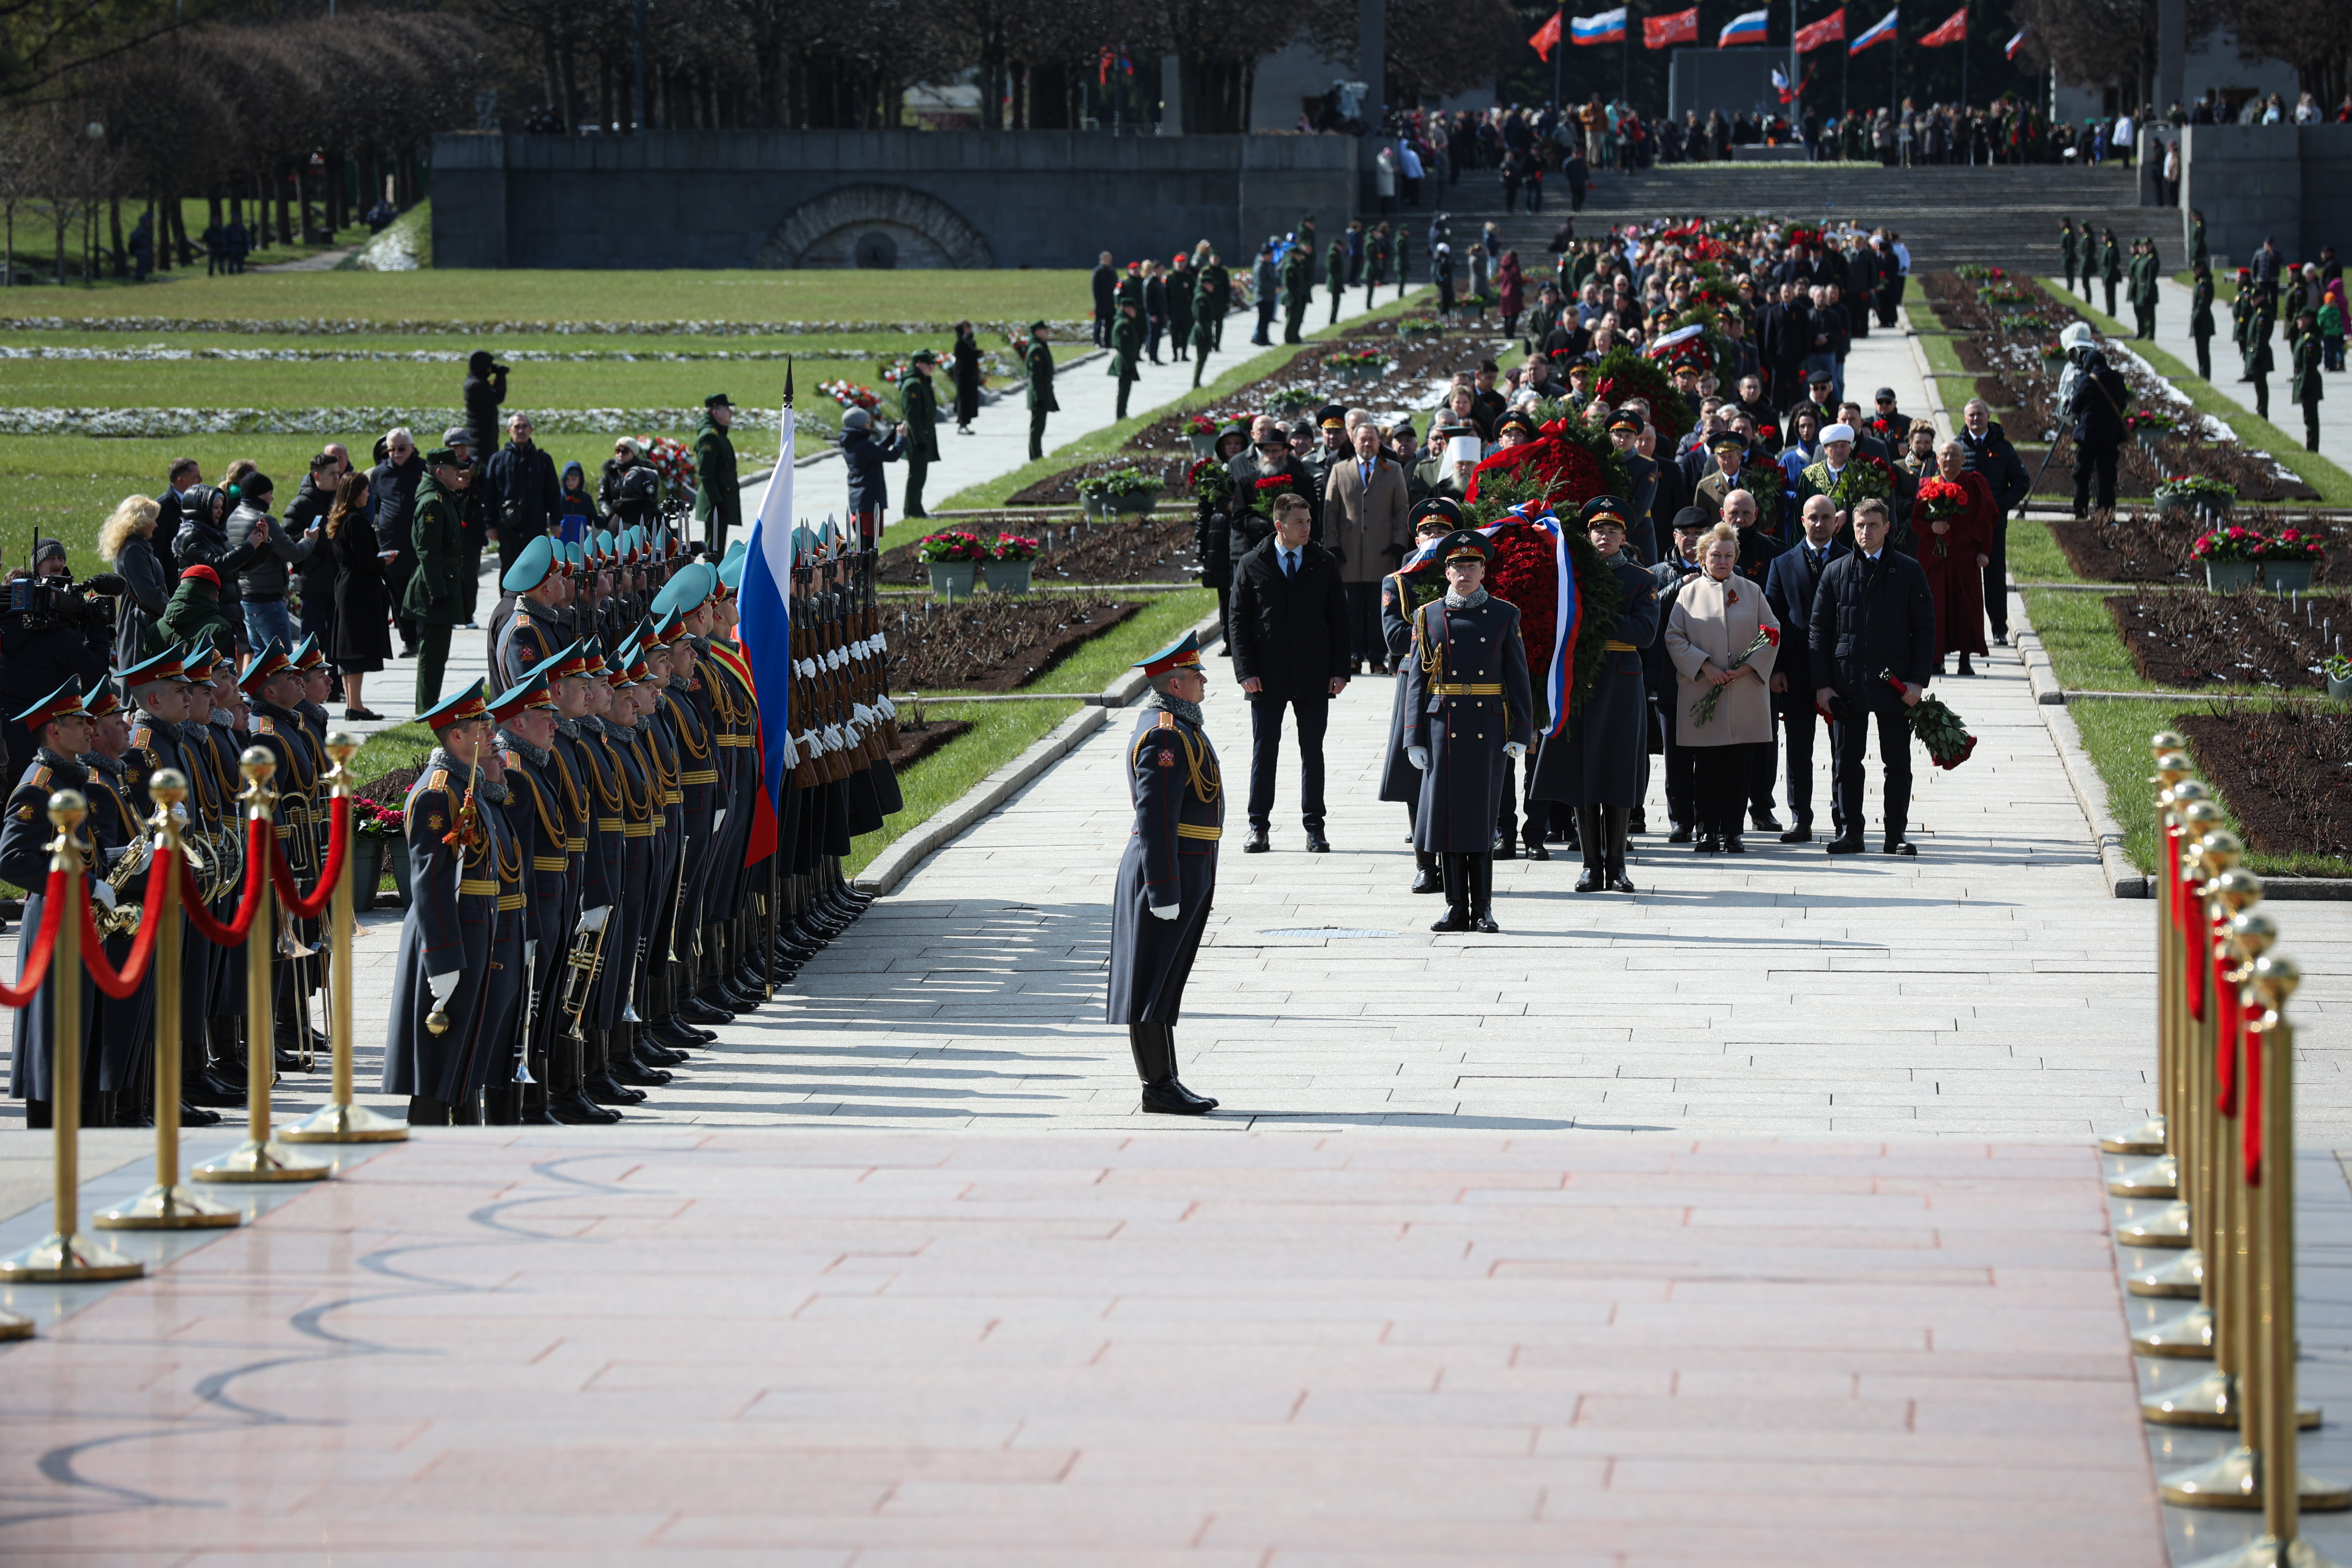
[1872,617]
[1788,588]
[1289,628]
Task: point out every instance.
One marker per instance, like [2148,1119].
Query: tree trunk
[286,178]
[179,210]
[114,220]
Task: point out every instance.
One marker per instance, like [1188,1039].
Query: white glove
[102,893]
[717,819]
[1418,756]
[1165,911]
[443,986]
[592,921]
[791,752]
[1513,750]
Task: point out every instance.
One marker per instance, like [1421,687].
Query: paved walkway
[2335,408]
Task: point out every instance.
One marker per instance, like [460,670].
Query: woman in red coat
[1953,519]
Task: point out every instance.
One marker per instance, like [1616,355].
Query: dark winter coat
[1291,633]
[1869,617]
[864,453]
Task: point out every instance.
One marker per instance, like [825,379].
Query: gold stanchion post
[2174,1224]
[340,1121]
[64,1257]
[2173,767]
[167,1205]
[260,1158]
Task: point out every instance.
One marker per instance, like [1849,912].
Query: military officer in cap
[435,598]
[437,1051]
[919,400]
[533,630]
[1625,426]
[1729,450]
[1468,705]
[593,800]
[59,727]
[318,686]
[1402,593]
[1168,877]
[123,1032]
[1037,363]
[717,498]
[1600,762]
[273,684]
[543,812]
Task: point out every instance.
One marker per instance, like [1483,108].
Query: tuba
[122,920]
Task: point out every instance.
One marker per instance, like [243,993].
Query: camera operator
[51,631]
[485,388]
[631,490]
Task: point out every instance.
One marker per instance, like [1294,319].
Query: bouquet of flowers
[1937,728]
[1862,478]
[1013,547]
[1976,272]
[894,370]
[1360,359]
[1766,637]
[1207,479]
[1200,425]
[849,394]
[671,459]
[1939,501]
[1765,479]
[371,818]
[957,545]
[2290,544]
[2231,543]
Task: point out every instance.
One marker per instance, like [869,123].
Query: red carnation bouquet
[1937,728]
[1938,500]
[1525,572]
[1766,637]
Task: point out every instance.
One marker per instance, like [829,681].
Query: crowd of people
[1771,475]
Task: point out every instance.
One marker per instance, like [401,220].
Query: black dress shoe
[1255,843]
[1316,843]
[1536,850]
[602,1090]
[737,1000]
[1591,881]
[538,1116]
[1732,845]
[1452,919]
[1764,822]
[2000,639]
[654,1054]
[1169,1097]
[1845,844]
[669,1032]
[1427,880]
[1966,667]
[1707,843]
[207,1090]
[1483,922]
[1680,835]
[1506,848]
[1637,823]
[1620,883]
[701,1010]
[197,1116]
[576,1109]
[1901,846]
[1801,834]
[631,1071]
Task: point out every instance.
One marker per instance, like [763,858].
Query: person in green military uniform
[2198,255]
[2310,358]
[1037,362]
[1205,342]
[2242,316]
[1126,349]
[1130,288]
[919,402]
[1376,262]
[1404,258]
[2200,320]
[2259,360]
[1214,301]
[1182,280]
[435,598]
[1335,275]
[2111,267]
[717,498]
[2142,289]
[1297,289]
[2068,250]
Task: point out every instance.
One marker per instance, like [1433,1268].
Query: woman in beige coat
[1716,620]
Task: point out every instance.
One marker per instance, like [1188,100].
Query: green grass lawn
[2115,734]
[2035,555]
[448,294]
[2334,484]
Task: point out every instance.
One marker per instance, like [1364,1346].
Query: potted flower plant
[1201,431]
[2150,426]
[2186,496]
[2338,669]
[376,831]
[2288,560]
[954,558]
[2230,555]
[1010,561]
[1121,492]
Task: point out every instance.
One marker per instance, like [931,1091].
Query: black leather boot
[1594,846]
[1455,869]
[467,1112]
[565,1103]
[1154,1046]
[621,1062]
[598,1084]
[1616,822]
[1426,878]
[424,1111]
[1482,894]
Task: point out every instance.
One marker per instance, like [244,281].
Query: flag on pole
[1607,27]
[1781,86]
[1953,30]
[1547,39]
[1881,32]
[765,600]
[1830,29]
[1680,27]
[2008,50]
[1748,27]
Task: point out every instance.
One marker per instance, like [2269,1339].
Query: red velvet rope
[2250,1117]
[122,984]
[338,817]
[37,961]
[2229,1035]
[2194,951]
[2172,876]
[259,844]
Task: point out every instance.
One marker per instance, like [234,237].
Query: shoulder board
[1167,720]
[437,779]
[261,725]
[38,777]
[140,737]
[512,760]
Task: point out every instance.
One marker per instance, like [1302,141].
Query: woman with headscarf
[127,542]
[966,372]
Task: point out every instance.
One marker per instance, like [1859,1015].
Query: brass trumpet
[122,920]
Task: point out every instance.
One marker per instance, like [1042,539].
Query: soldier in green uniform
[1215,299]
[1182,281]
[1376,262]
[1335,275]
[435,598]
[717,500]
[2259,360]
[2198,255]
[1204,342]
[2309,361]
[2145,267]
[1297,289]
[2068,251]
[1130,287]
[2200,320]
[1037,360]
[1404,258]
[2111,266]
[919,402]
[1126,348]
[2241,315]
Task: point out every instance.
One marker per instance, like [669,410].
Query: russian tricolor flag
[2008,50]
[1881,32]
[1608,28]
[1748,27]
[765,600]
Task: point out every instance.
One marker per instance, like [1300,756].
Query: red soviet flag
[1953,31]
[1830,29]
[1681,27]
[1547,37]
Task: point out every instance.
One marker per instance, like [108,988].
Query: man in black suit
[1290,651]
[1784,337]
[1789,589]
[1873,617]
[1106,282]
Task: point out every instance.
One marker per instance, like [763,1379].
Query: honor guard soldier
[1402,593]
[273,686]
[58,728]
[594,805]
[207,755]
[543,810]
[318,686]
[623,1077]
[439,1051]
[1600,764]
[1168,877]
[123,1030]
[534,629]
[687,705]
[1468,705]
[735,707]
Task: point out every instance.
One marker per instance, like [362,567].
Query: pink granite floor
[812,1351]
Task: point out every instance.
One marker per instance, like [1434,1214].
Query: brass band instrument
[122,920]
[580,969]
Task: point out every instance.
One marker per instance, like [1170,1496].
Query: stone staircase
[2002,215]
